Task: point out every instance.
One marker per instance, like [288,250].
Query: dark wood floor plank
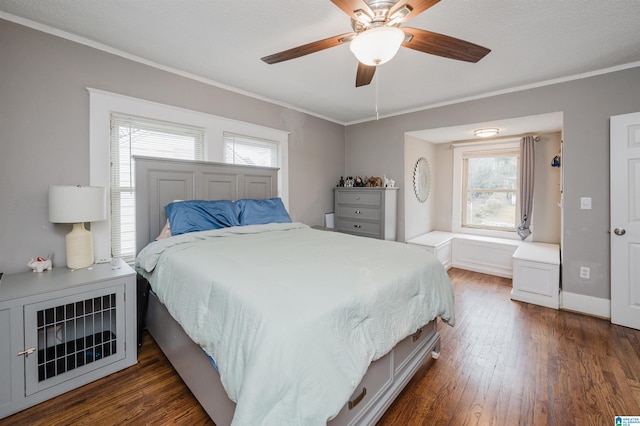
[504,363]
[539,374]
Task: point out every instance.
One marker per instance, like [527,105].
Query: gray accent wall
[44,140]
[587,104]
[44,133]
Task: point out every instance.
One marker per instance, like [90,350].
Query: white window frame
[103,103]
[191,147]
[231,139]
[458,181]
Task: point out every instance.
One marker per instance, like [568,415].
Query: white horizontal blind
[131,136]
[247,150]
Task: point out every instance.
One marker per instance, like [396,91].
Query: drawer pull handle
[357,226]
[415,336]
[26,352]
[357,211]
[358,398]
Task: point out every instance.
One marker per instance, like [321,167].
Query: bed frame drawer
[387,376]
[378,378]
[405,350]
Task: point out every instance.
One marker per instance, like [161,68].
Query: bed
[275,322]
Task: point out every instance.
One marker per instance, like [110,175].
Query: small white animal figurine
[389,183]
[40,264]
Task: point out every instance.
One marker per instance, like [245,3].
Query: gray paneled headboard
[160,181]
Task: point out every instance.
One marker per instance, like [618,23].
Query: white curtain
[527,157]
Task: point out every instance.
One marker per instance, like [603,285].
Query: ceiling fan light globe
[378,45]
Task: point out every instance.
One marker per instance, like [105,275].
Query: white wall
[444,183]
[419,217]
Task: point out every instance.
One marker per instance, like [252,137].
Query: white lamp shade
[377,45]
[77,204]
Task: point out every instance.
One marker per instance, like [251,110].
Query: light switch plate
[585,272]
[585,203]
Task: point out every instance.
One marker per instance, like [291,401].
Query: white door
[625,220]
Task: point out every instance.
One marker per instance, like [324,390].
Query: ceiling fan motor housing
[378,15]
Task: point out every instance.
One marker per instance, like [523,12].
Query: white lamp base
[79,247]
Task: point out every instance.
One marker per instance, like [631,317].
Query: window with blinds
[250,151]
[490,191]
[131,136]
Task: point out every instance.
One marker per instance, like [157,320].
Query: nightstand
[63,328]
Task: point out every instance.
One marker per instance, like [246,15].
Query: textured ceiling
[222,42]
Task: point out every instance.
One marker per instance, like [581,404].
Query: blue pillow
[201,215]
[258,212]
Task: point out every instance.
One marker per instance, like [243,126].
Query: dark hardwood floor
[504,363]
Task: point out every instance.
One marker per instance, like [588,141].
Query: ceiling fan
[377,36]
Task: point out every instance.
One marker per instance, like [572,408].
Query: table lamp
[77,204]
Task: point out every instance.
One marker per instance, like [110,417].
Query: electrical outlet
[585,272]
[585,203]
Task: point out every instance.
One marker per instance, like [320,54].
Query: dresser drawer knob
[357,211]
[357,198]
[357,226]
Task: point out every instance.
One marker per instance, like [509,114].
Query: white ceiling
[221,42]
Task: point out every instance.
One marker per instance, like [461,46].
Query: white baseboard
[589,305]
[483,268]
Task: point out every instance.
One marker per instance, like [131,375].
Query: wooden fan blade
[306,49]
[365,74]
[445,46]
[350,6]
[417,7]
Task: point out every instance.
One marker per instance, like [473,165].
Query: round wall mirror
[421,179]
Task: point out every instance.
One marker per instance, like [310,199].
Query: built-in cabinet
[368,212]
[536,274]
[534,267]
[437,243]
[63,328]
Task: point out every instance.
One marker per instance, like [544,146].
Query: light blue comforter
[294,316]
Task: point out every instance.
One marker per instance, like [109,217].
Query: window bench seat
[534,267]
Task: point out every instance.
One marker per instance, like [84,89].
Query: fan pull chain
[377,88]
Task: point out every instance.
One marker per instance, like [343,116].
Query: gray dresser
[369,212]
